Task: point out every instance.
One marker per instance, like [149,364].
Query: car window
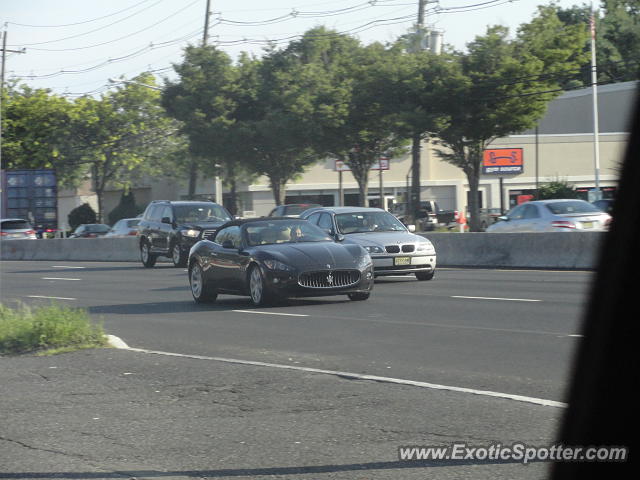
[166,213]
[274,212]
[283,231]
[313,218]
[530,211]
[132,223]
[154,213]
[200,212]
[15,225]
[98,228]
[516,213]
[231,233]
[325,222]
[575,206]
[368,221]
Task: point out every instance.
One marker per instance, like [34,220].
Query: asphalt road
[505,331]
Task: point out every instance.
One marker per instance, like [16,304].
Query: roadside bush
[82,214]
[556,189]
[127,208]
[26,329]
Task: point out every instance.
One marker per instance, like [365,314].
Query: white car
[16,229]
[395,250]
[553,216]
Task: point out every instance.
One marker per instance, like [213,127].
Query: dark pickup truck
[430,215]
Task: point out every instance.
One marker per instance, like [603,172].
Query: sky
[73,47]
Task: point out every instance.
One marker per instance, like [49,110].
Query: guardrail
[570,250]
[79,249]
[561,250]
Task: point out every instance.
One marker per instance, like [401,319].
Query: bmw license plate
[587,224]
[402,261]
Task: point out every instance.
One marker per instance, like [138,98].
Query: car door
[228,262]
[164,230]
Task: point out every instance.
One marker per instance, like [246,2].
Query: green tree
[121,135]
[503,87]
[81,215]
[127,208]
[36,126]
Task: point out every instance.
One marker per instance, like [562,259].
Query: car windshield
[15,225]
[283,231]
[132,223]
[567,208]
[365,222]
[200,212]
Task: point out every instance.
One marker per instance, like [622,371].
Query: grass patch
[53,328]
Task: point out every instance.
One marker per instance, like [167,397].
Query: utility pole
[2,70]
[413,198]
[594,88]
[193,167]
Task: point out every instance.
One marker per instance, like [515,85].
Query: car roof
[555,200]
[345,209]
[184,202]
[243,221]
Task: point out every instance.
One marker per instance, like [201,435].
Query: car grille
[396,248]
[208,234]
[329,279]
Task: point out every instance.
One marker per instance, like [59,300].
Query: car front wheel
[148,259]
[260,296]
[178,256]
[201,289]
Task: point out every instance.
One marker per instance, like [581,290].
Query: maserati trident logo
[330,279]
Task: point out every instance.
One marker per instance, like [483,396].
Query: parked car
[392,246]
[274,258]
[125,227]
[90,230]
[16,229]
[170,229]
[606,205]
[553,216]
[292,209]
[487,217]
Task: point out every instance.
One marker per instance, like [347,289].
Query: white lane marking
[62,278]
[497,298]
[64,266]
[357,376]
[52,298]
[272,313]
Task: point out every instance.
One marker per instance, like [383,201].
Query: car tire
[359,296]
[148,259]
[178,256]
[201,290]
[422,276]
[258,292]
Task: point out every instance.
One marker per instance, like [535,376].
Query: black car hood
[321,255]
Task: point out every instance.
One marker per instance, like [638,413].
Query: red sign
[503,161]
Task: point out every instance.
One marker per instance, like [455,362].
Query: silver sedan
[552,216]
[394,249]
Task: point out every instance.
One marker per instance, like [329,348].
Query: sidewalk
[116,414]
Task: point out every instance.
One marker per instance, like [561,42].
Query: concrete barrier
[570,250]
[80,249]
[562,250]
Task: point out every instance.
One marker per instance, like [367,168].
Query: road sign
[381,164]
[503,161]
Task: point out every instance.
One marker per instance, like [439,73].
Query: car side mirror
[412,228]
[503,218]
[228,244]
[166,220]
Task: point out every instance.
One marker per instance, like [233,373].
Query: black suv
[170,229]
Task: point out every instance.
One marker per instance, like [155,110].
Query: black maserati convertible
[275,258]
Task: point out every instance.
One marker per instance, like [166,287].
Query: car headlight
[191,233]
[364,262]
[277,265]
[425,246]
[373,249]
